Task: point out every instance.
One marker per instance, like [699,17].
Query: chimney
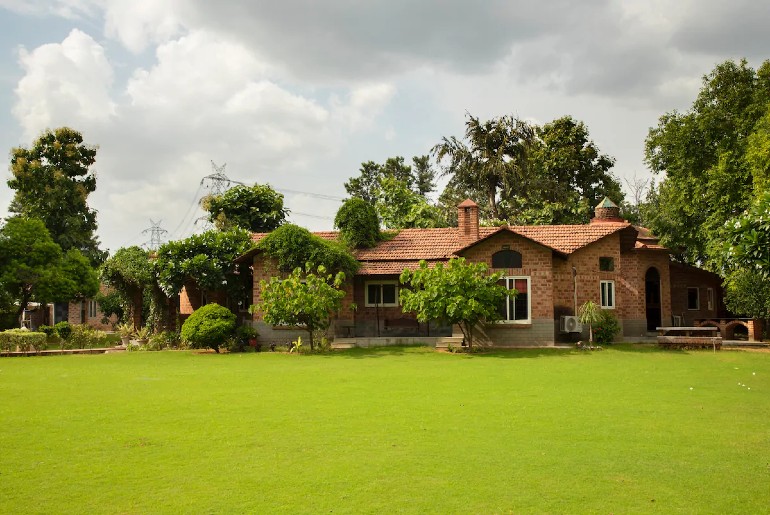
[606,211]
[468,221]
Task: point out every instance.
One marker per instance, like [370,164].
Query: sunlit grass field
[626,430]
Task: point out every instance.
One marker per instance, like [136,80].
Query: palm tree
[590,313]
[494,157]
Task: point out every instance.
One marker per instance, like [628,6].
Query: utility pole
[157,233]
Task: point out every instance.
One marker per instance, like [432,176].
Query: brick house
[554,268]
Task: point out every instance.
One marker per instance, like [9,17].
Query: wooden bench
[689,337]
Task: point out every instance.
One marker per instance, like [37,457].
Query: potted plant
[248,334]
[125,330]
[142,335]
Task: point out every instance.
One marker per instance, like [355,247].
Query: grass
[626,430]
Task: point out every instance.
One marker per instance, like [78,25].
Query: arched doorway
[652,298]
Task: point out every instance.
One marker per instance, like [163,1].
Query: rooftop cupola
[606,211]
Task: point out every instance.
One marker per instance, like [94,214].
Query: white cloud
[140,23]
[64,82]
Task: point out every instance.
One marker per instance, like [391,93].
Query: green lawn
[626,430]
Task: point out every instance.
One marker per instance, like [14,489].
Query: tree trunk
[310,332]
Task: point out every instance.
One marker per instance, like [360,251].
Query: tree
[52,180]
[257,208]
[567,175]
[590,313]
[401,208]
[712,159]
[208,259]
[747,238]
[293,247]
[302,299]
[493,157]
[457,293]
[129,272]
[33,267]
[358,223]
[748,293]
[209,326]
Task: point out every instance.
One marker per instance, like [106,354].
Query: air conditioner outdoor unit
[570,324]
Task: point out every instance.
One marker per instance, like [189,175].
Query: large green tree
[257,208]
[305,298]
[358,223]
[456,293]
[129,272]
[34,268]
[714,160]
[52,180]
[294,247]
[399,192]
[492,157]
[208,259]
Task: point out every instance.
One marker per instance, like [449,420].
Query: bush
[358,223]
[49,330]
[86,337]
[164,340]
[607,328]
[209,326]
[63,329]
[24,339]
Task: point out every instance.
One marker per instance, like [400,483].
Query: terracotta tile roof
[409,246]
[390,267]
[568,238]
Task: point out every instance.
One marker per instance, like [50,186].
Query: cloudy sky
[298,93]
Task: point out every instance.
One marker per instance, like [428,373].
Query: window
[606,264]
[693,299]
[710,299]
[506,259]
[516,309]
[92,309]
[607,294]
[382,294]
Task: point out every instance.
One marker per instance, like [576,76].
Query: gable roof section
[409,246]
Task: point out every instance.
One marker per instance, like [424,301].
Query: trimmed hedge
[22,339]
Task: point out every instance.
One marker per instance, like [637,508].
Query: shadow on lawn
[509,353]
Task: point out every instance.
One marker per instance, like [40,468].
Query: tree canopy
[257,208]
[457,293]
[34,268]
[52,180]
[527,174]
[714,157]
[129,272]
[294,247]
[304,298]
[208,259]
[358,223]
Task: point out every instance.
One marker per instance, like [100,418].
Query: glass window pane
[388,293]
[372,294]
[521,306]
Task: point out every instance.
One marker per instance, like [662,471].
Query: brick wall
[79,313]
[684,277]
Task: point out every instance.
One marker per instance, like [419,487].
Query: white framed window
[92,309]
[516,309]
[693,299]
[382,293]
[607,294]
[710,299]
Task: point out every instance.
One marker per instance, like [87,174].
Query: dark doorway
[652,298]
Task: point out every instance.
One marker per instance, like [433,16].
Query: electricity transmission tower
[218,184]
[156,235]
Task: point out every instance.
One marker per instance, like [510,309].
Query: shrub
[209,326]
[49,330]
[63,329]
[164,340]
[86,337]
[358,223]
[607,328]
[24,339]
